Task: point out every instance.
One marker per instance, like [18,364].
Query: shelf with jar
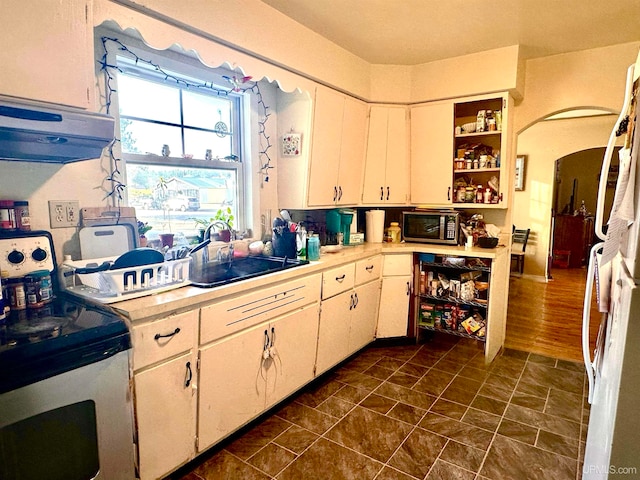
[453,296]
[478,142]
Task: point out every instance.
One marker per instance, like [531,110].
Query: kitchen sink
[217,274]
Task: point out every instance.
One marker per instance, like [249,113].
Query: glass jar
[469,195]
[38,288]
[23,220]
[7,215]
[16,293]
[395,232]
[313,247]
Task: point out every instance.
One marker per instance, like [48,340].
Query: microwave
[431,226]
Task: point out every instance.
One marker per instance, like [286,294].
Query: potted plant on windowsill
[143,227]
[223,220]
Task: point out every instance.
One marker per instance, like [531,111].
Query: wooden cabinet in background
[574,234]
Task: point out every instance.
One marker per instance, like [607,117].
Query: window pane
[140,98]
[170,199]
[197,143]
[144,137]
[205,111]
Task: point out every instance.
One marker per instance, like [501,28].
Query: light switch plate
[64,213]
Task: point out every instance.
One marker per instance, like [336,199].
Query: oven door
[72,426]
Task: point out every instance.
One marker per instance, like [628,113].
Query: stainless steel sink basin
[217,274]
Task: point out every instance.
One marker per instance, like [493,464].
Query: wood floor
[546,318]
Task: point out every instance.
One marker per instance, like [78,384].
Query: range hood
[42,132]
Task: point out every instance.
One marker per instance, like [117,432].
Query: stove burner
[40,329]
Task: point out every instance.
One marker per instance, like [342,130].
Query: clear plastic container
[313,247]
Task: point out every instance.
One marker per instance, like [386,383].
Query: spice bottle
[23,220]
[487,195]
[479,194]
[7,215]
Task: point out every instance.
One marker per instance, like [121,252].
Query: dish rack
[120,284]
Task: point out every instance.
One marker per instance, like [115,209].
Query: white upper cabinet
[431,149]
[47,51]
[386,177]
[337,149]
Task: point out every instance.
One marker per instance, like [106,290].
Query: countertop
[189,297]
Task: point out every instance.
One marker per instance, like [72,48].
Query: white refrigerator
[613,370]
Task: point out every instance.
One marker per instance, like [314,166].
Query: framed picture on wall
[521,162]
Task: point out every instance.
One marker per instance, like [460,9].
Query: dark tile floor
[430,411]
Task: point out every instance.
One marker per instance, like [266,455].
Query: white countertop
[189,297]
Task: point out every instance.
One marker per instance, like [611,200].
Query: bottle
[313,247]
[5,307]
[301,243]
[480,194]
[395,232]
[487,195]
[7,215]
[21,210]
[66,273]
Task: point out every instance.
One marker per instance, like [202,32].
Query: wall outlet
[64,213]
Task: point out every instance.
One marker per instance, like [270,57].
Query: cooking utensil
[138,257]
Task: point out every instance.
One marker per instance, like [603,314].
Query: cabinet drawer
[368,269]
[337,280]
[228,316]
[163,338]
[397,265]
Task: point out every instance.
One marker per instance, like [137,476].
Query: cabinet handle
[335,193]
[158,336]
[369,268]
[408,288]
[356,299]
[500,197]
[189,375]
[449,193]
[381,193]
[351,303]
[388,190]
[339,193]
[341,278]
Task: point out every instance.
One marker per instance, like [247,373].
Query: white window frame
[190,68]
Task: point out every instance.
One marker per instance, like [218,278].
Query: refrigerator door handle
[606,162]
[586,314]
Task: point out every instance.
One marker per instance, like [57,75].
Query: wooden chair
[517,254]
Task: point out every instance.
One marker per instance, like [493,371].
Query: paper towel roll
[375,226]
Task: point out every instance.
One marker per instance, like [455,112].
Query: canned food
[38,288]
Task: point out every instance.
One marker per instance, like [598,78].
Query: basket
[132,282]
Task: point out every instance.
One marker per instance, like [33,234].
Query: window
[181,141]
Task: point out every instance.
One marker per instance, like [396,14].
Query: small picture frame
[291,144]
[521,163]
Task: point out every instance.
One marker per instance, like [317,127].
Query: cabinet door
[294,339]
[431,153]
[397,162]
[375,164]
[166,416]
[325,147]
[333,334]
[354,132]
[364,315]
[232,384]
[46,54]
[394,307]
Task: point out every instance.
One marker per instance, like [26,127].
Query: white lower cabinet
[348,311]
[237,382]
[397,281]
[165,373]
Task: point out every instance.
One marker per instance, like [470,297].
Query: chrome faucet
[222,257]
